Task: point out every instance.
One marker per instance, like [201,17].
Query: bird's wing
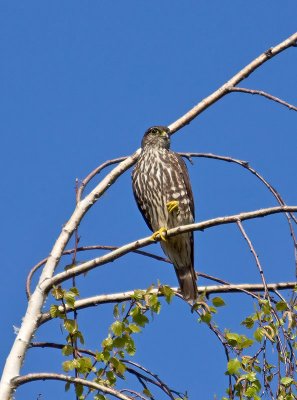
[139,201]
[186,179]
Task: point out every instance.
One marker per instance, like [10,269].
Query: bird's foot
[172,205]
[161,232]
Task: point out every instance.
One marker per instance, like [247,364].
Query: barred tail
[187,281]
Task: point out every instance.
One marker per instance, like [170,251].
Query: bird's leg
[161,232]
[172,205]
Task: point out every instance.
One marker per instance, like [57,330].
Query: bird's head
[156,136]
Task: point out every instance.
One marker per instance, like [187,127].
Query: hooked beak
[166,133]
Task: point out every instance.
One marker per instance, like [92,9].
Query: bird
[163,193]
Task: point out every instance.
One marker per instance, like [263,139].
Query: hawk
[163,193]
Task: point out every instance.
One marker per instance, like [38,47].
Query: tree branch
[41,376]
[225,89]
[87,248]
[201,226]
[95,172]
[208,290]
[255,255]
[274,192]
[264,94]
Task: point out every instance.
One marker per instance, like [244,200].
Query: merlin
[163,193]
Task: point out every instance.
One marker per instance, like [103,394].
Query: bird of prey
[163,193]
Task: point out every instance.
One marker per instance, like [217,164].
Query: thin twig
[162,385]
[86,248]
[95,172]
[264,94]
[133,392]
[253,251]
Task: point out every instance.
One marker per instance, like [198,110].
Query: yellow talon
[172,205]
[160,233]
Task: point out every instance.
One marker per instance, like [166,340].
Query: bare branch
[159,382]
[247,288]
[59,346]
[264,94]
[253,251]
[113,255]
[95,172]
[86,248]
[241,75]
[275,193]
[246,165]
[41,376]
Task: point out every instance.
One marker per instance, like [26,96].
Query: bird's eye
[154,131]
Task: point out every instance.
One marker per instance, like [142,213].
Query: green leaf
[116,311]
[147,393]
[85,365]
[258,334]
[156,307]
[233,366]
[245,343]
[105,356]
[67,386]
[107,343]
[69,298]
[138,317]
[232,338]
[286,381]
[68,365]
[78,335]
[265,306]
[79,389]
[118,365]
[257,368]
[99,397]
[138,294]
[281,306]
[117,328]
[168,293]
[206,317]
[54,311]
[218,302]
[130,346]
[58,292]
[251,391]
[74,291]
[134,328]
[67,350]
[120,342]
[70,325]
[111,377]
[248,322]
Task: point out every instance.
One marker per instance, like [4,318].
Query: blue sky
[80,83]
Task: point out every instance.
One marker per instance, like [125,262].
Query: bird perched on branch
[163,193]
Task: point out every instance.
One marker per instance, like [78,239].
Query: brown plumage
[160,176]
